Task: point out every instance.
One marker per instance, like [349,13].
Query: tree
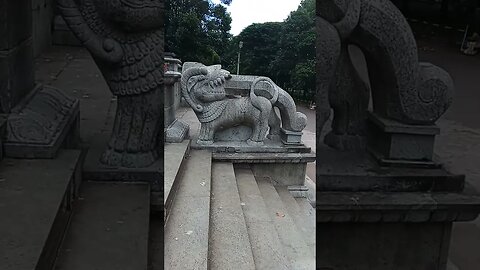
[260,46]
[283,51]
[197,30]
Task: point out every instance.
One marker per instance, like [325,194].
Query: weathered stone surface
[109,228]
[379,246]
[126,41]
[177,132]
[391,207]
[16,74]
[229,244]
[300,255]
[344,171]
[48,121]
[94,170]
[174,165]
[187,227]
[204,89]
[13,13]
[268,146]
[402,88]
[37,197]
[394,143]
[267,249]
[61,33]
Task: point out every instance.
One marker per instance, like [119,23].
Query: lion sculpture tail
[291,119]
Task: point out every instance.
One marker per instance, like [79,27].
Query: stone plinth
[395,143]
[175,130]
[268,146]
[360,171]
[373,230]
[283,168]
[38,127]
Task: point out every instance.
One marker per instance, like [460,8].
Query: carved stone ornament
[38,128]
[203,87]
[126,39]
[402,88]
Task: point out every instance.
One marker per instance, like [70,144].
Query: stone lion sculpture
[402,88]
[125,38]
[204,90]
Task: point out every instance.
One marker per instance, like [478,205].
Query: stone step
[35,206]
[109,228]
[296,249]
[174,157]
[229,245]
[187,226]
[267,249]
[301,217]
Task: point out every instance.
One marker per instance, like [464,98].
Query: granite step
[174,160]
[268,252]
[187,227]
[300,214]
[35,207]
[229,245]
[109,228]
[301,256]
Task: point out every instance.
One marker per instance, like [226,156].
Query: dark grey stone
[268,146]
[43,124]
[126,39]
[109,228]
[16,74]
[42,17]
[15,23]
[359,171]
[37,197]
[379,246]
[402,88]
[395,143]
[62,35]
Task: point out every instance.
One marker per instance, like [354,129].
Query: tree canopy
[198,30]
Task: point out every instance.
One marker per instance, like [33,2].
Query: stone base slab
[380,230]
[395,143]
[269,146]
[357,171]
[291,137]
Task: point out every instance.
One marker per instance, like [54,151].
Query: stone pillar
[16,52]
[39,120]
[175,130]
[42,16]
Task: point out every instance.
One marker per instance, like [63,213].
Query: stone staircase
[223,217]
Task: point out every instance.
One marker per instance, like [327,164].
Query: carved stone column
[175,130]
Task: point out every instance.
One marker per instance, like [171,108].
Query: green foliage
[197,30]
[283,51]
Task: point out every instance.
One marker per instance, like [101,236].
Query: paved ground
[73,71]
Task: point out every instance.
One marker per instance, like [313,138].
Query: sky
[246,12]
